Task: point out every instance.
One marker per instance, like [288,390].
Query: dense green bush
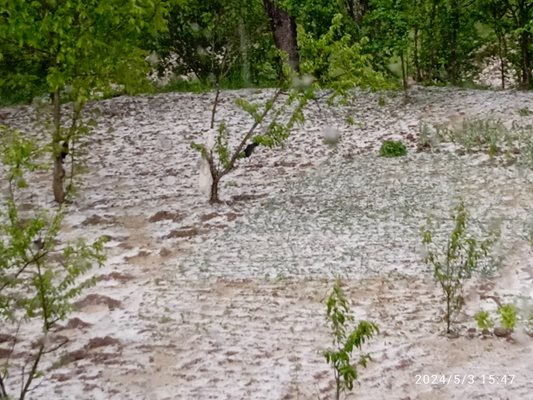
[392,148]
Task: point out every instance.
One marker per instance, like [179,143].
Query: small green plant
[350,120]
[381,101]
[454,262]
[392,148]
[483,320]
[524,112]
[508,316]
[344,341]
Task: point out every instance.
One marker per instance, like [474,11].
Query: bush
[392,148]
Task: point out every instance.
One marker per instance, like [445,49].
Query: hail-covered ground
[200,301]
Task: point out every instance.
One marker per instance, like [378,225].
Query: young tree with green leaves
[223,159]
[39,275]
[345,341]
[79,48]
[455,261]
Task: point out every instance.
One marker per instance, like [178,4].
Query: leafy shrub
[483,320]
[508,316]
[392,148]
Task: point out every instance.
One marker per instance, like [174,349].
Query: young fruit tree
[39,274]
[345,341]
[78,49]
[455,261]
[285,109]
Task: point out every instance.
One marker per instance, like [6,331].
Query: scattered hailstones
[331,136]
[303,82]
[204,172]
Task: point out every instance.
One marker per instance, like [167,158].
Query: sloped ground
[226,302]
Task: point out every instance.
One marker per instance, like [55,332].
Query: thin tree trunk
[215,104]
[432,45]
[526,80]
[454,39]
[59,171]
[404,73]
[502,59]
[214,190]
[243,39]
[415,56]
[283,28]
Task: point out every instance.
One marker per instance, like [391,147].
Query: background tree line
[431,41]
[235,42]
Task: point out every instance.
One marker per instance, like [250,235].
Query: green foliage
[483,320]
[392,148]
[39,275]
[508,316]
[224,43]
[337,61]
[345,341]
[83,46]
[454,262]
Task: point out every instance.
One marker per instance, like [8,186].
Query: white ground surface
[227,301]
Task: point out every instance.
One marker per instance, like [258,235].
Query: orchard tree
[39,275]
[334,61]
[271,124]
[78,48]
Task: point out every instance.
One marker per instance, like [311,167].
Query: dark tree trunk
[59,171]
[357,10]
[455,27]
[521,15]
[213,199]
[283,28]
[404,72]
[432,43]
